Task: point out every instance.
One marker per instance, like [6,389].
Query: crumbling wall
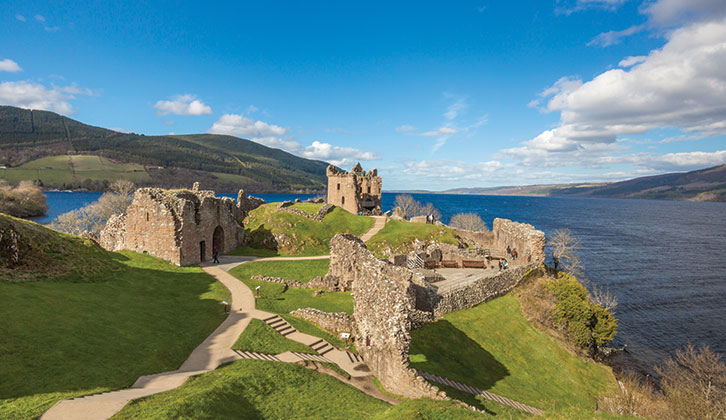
[245,204]
[334,322]
[482,290]
[316,283]
[482,238]
[528,241]
[317,217]
[384,298]
[113,235]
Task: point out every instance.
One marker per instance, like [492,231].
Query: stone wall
[528,241]
[482,290]
[484,239]
[316,283]
[384,298]
[180,226]
[356,191]
[318,217]
[334,322]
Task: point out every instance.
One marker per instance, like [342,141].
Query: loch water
[664,260]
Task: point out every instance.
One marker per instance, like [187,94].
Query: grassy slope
[304,236]
[55,170]
[493,347]
[398,236]
[69,336]
[261,338]
[274,298]
[253,389]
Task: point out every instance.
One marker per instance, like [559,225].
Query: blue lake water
[664,260]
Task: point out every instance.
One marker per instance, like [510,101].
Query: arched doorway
[218,239]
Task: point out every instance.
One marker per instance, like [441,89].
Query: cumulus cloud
[665,13]
[182,105]
[681,85]
[609,38]
[9,66]
[337,155]
[36,96]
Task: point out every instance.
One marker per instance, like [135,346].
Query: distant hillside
[225,163]
[702,185]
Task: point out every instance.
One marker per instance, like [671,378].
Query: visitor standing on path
[215,255]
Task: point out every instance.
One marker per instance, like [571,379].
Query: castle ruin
[357,191]
[180,226]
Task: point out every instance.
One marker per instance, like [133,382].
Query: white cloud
[9,66]
[442,131]
[252,109]
[40,18]
[453,110]
[405,128]
[568,7]
[20,17]
[257,131]
[337,155]
[631,61]
[182,105]
[665,13]
[681,85]
[36,96]
[609,38]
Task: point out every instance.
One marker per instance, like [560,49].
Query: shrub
[468,221]
[411,207]
[24,200]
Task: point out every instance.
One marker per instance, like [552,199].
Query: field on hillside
[96,330]
[280,233]
[67,169]
[494,348]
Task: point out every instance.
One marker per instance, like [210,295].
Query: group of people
[503,264]
[512,252]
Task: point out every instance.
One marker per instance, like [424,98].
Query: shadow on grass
[259,242]
[442,349]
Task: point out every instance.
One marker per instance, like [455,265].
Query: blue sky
[435,95]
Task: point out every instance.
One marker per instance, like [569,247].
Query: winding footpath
[216,349]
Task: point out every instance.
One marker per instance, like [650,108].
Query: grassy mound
[258,390]
[280,233]
[398,237]
[65,339]
[261,338]
[493,347]
[29,251]
[302,271]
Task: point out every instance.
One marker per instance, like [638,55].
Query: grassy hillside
[280,233]
[91,320]
[493,347]
[257,390]
[222,162]
[398,237]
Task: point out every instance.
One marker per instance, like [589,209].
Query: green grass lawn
[302,236]
[258,390]
[398,236]
[493,347]
[311,208]
[261,338]
[62,339]
[274,297]
[302,271]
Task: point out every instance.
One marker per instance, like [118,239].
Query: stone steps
[322,347]
[257,356]
[354,358]
[280,325]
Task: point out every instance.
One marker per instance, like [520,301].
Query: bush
[24,200]
[468,221]
[587,323]
[411,207]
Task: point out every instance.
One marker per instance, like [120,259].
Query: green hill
[221,162]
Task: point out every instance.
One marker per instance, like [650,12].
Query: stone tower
[356,191]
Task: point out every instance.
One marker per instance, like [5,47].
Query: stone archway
[218,239]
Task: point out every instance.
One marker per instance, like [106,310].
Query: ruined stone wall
[173,225]
[317,283]
[484,239]
[384,301]
[318,217]
[528,241]
[245,204]
[334,322]
[356,191]
[483,290]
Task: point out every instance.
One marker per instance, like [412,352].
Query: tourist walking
[509,250]
[215,256]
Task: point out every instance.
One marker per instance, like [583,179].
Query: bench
[431,264]
[449,264]
[473,263]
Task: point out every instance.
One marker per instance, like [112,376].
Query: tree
[92,218]
[564,251]
[411,207]
[24,200]
[468,221]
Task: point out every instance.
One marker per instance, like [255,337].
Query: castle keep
[182,226]
[356,191]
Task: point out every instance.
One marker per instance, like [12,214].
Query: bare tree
[92,218]
[24,200]
[564,251]
[468,221]
[407,204]
[604,298]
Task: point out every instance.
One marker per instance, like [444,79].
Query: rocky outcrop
[334,322]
